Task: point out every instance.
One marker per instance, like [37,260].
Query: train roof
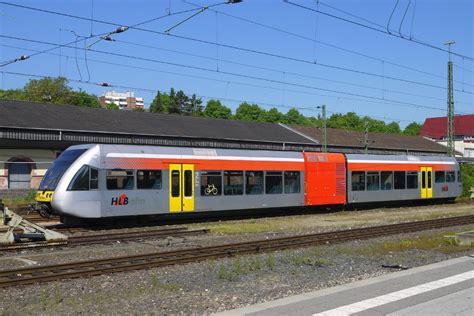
[398,158]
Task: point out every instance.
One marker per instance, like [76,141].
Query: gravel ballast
[217,285]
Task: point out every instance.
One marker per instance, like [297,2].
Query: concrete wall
[39,161]
[466,147]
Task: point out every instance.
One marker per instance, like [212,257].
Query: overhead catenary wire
[227,82]
[312,109]
[240,48]
[379,30]
[410,104]
[296,35]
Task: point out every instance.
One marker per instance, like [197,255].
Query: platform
[444,288]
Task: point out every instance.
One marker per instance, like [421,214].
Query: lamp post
[325,140]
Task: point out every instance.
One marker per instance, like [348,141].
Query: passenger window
[429,179]
[175,190]
[292,182]
[439,177]
[274,182]
[450,176]
[149,179]
[211,183]
[94,179]
[373,181]
[188,183]
[233,182]
[358,181]
[80,182]
[120,180]
[387,180]
[423,179]
[412,180]
[399,180]
[459,176]
[254,182]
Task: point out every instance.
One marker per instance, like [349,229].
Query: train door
[426,182]
[181,185]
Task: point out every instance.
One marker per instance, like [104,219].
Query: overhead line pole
[324,131]
[451,147]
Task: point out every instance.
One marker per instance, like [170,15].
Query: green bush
[467,172]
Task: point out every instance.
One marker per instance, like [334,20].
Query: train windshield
[60,165]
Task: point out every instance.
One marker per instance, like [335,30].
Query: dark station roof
[36,125]
[355,139]
[30,115]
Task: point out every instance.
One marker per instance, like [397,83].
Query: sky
[270,52]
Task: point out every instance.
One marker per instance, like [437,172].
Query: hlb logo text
[121,200]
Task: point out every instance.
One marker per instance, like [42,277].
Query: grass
[20,200]
[427,242]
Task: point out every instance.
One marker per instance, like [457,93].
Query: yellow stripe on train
[44,196]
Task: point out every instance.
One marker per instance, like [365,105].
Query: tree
[160,103]
[293,116]
[112,106]
[247,112]
[393,128]
[412,129]
[51,90]
[138,109]
[273,116]
[195,104]
[215,109]
[173,107]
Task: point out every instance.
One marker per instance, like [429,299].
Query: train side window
[358,180]
[274,182]
[450,176]
[211,183]
[80,182]
[94,179]
[175,189]
[459,176]
[412,180]
[292,182]
[253,182]
[149,179]
[440,177]
[429,179]
[188,183]
[373,181]
[233,182]
[387,180]
[120,180]
[399,180]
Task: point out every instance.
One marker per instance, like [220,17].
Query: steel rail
[144,261]
[90,239]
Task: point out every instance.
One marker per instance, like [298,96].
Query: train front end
[45,196]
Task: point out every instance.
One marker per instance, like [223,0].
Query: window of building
[450,176]
[373,181]
[292,182]
[412,180]
[211,183]
[149,179]
[440,177]
[358,181]
[233,182]
[120,180]
[274,182]
[175,185]
[387,180]
[254,182]
[399,180]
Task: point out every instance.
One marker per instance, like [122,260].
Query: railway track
[144,261]
[91,239]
